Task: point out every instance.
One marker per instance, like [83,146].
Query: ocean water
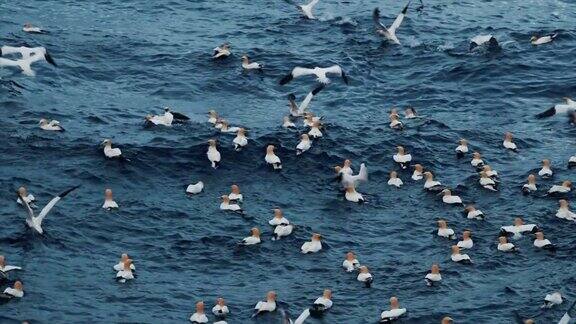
[120,60]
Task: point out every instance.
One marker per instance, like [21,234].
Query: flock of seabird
[488,178]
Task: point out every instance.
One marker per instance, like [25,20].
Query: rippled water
[120,60]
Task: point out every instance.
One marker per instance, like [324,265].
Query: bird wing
[336,69]
[10,50]
[306,102]
[299,71]
[30,212]
[52,203]
[7,62]
[376,19]
[399,19]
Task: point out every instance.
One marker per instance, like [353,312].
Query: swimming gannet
[352,195]
[565,108]
[35,222]
[50,125]
[552,299]
[473,213]
[543,243]
[235,194]
[315,130]
[410,113]
[395,122]
[509,142]
[394,180]
[272,159]
[126,273]
[220,310]
[164,120]
[247,65]
[240,141]
[546,171]
[434,275]
[564,188]
[505,246]
[222,51]
[16,292]
[31,29]
[444,230]
[351,262]
[254,237]
[487,182]
[213,155]
[458,257]
[199,317]
[304,145]
[394,313]
[314,245]
[365,276]
[477,161]
[402,158]
[430,184]
[319,72]
[120,265]
[279,218]
[529,187]
[564,211]
[109,202]
[226,128]
[418,173]
[110,152]
[226,204]
[269,305]
[466,242]
[282,230]
[195,188]
[389,33]
[462,148]
[539,40]
[4,268]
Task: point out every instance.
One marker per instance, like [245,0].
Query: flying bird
[320,73]
[389,33]
[35,222]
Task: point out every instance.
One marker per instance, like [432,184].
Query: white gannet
[572,162]
[394,180]
[319,72]
[50,125]
[505,246]
[508,142]
[226,204]
[477,161]
[307,9]
[282,230]
[309,119]
[35,222]
[481,40]
[346,178]
[418,173]
[318,308]
[304,145]
[29,56]
[23,192]
[546,171]
[315,130]
[493,174]
[487,183]
[164,120]
[120,265]
[518,228]
[565,108]
[29,28]
[4,268]
[395,122]
[110,152]
[543,243]
[235,194]
[212,117]
[347,167]
[268,305]
[220,310]
[389,33]
[394,313]
[552,299]
[450,199]
[444,231]
[458,257]
[462,148]
[351,262]
[430,184]
[272,159]
[352,195]
[226,128]
[314,245]
[564,211]
[240,140]
[279,218]
[16,292]
[196,188]
[473,213]
[213,154]
[253,239]
[365,276]
[410,113]
[287,123]
[466,242]
[564,188]
[126,273]
[530,186]
[539,40]
[109,202]
[218,123]
[299,110]
[199,317]
[434,275]
[222,51]
[247,65]
[402,158]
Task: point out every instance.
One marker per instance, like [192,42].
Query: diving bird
[307,9]
[483,40]
[29,56]
[539,40]
[568,106]
[298,110]
[320,73]
[389,33]
[35,222]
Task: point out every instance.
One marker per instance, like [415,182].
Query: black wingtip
[406,8]
[291,97]
[49,59]
[63,194]
[286,79]
[547,113]
[345,78]
[318,89]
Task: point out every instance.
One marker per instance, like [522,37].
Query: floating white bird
[508,142]
[459,257]
[450,199]
[35,222]
[410,113]
[4,268]
[29,28]
[240,141]
[394,180]
[315,131]
[196,188]
[434,276]
[304,145]
[16,292]
[394,313]
[539,40]
[222,51]
[565,108]
[402,158]
[212,117]
[543,243]
[30,55]
[320,73]
[226,204]
[505,246]
[120,265]
[395,122]
[418,173]
[278,219]
[564,188]
[462,148]
[269,305]
[477,161]
[199,317]
[126,273]
[487,182]
[164,120]
[50,125]
[314,245]
[297,111]
[352,195]
[389,33]
[235,195]
[483,40]
[282,231]
[430,184]
[351,262]
[518,228]
[444,231]
[220,309]
[287,123]
[552,299]
[473,213]
[254,237]
[213,154]
[529,187]
[307,9]
[365,276]
[546,171]
[466,242]
[272,159]
[564,211]
[109,202]
[110,152]
[246,65]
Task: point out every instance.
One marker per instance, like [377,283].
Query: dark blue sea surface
[120,60]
